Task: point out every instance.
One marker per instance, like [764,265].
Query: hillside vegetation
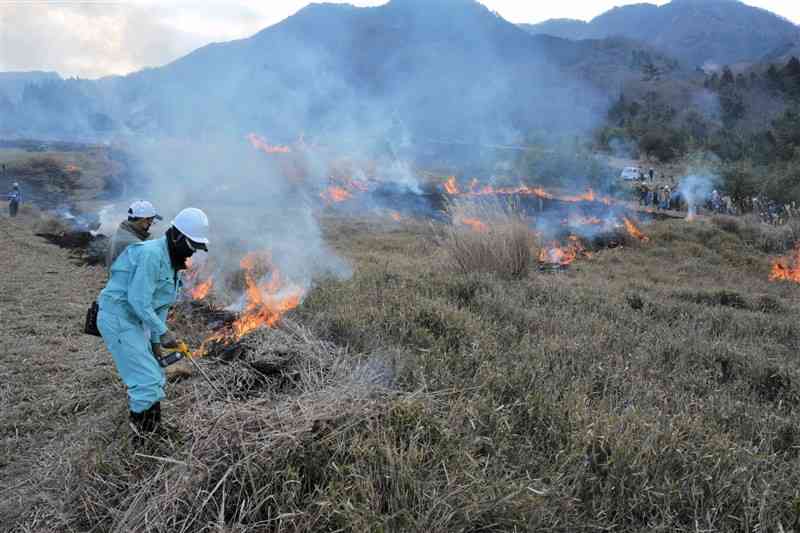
[744,127]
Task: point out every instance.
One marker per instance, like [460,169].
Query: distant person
[14,199]
[144,284]
[675,199]
[141,217]
[652,175]
[716,201]
[642,194]
[727,203]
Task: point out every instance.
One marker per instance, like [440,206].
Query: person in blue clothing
[143,285]
[14,199]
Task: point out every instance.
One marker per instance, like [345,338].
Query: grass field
[654,387]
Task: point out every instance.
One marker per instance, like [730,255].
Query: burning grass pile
[263,454]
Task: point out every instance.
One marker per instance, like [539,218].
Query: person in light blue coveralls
[143,285]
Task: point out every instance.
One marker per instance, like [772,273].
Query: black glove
[169,340]
[157,351]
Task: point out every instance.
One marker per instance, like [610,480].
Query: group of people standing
[719,203]
[659,197]
[144,283]
[772,212]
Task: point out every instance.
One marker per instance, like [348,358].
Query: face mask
[180,249]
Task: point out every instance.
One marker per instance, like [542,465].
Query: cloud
[98,39]
[93,38]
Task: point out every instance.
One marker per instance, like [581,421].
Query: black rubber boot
[147,421]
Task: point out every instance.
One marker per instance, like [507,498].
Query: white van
[630,173]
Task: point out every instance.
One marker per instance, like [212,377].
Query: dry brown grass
[651,388]
[486,235]
[242,457]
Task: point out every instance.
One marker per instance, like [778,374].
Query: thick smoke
[410,85]
[421,79]
[695,189]
[252,206]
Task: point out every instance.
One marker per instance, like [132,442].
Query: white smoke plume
[695,189]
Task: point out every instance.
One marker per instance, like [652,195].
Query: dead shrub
[487,236]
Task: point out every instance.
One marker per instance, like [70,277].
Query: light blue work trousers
[129,344]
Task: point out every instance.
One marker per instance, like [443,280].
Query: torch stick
[203,373]
[187,354]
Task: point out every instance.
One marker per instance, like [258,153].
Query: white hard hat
[16,185]
[193,223]
[143,209]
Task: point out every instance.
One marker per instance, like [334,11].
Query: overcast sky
[93,38]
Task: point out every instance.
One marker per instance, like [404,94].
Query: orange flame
[634,231]
[72,168]
[556,254]
[576,244]
[588,196]
[397,217]
[197,290]
[475,224]
[266,301]
[450,186]
[259,143]
[335,194]
[787,268]
[200,291]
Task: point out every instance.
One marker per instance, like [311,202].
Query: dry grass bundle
[250,449]
[485,235]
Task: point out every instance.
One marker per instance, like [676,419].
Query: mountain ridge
[696,32]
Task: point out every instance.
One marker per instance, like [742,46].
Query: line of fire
[567,226]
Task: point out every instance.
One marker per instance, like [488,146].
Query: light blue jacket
[142,287]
